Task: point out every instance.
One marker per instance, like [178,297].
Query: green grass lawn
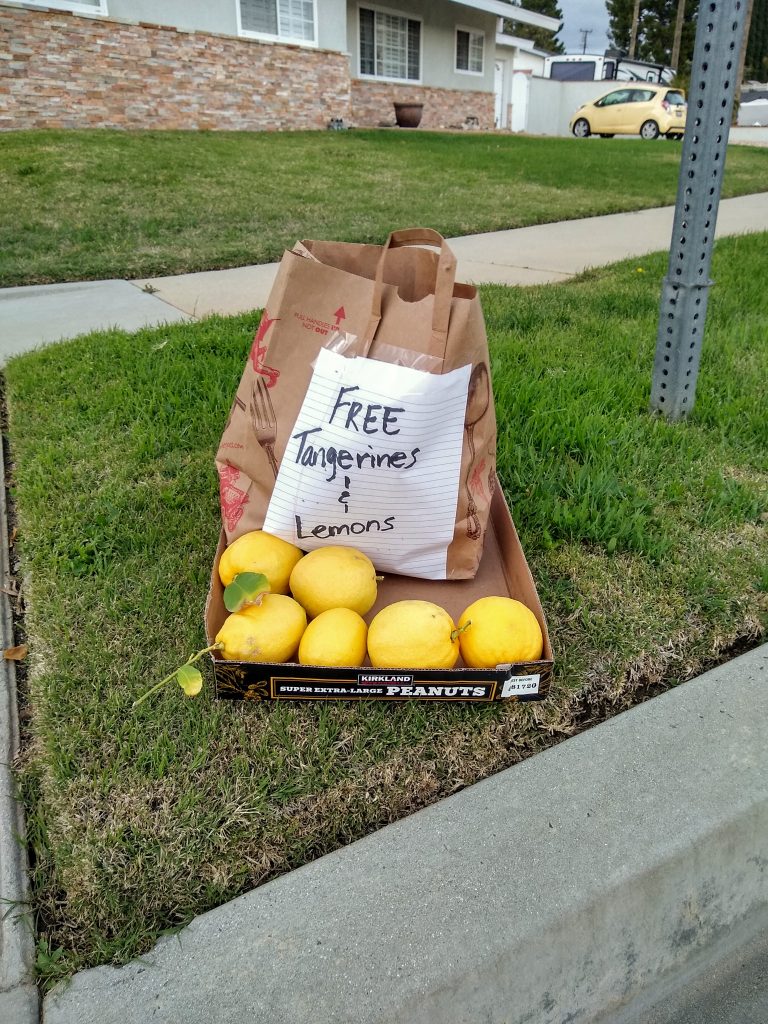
[647,541]
[100,204]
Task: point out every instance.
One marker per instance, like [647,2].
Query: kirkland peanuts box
[503,572]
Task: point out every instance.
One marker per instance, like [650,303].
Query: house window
[292,20]
[390,45]
[470,46]
[77,6]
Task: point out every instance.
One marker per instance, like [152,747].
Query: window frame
[587,70]
[649,94]
[267,37]
[470,32]
[397,14]
[99,10]
[601,102]
[682,102]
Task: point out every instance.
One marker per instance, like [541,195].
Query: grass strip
[84,205]
[647,541]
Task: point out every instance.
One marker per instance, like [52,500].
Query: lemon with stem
[413,634]
[499,631]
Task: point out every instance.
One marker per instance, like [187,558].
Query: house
[248,64]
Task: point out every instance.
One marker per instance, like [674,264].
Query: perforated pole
[684,293]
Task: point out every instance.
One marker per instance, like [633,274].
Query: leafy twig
[189,679]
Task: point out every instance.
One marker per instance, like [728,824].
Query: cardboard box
[503,572]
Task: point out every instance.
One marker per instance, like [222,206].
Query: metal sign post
[719,35]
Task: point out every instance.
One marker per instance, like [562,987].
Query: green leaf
[190,680]
[244,589]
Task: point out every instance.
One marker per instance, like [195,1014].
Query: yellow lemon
[268,631]
[334,577]
[260,552]
[336,637]
[502,631]
[412,634]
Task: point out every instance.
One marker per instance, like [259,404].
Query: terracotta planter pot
[408,115]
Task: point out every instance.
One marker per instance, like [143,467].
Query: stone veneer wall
[59,70]
[372,104]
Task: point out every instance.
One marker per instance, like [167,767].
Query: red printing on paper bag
[476,481]
[233,499]
[258,351]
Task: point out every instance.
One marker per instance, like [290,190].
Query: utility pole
[675,58]
[584,33]
[684,294]
[743,56]
[633,34]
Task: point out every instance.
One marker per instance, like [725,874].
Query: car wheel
[649,130]
[606,135]
[581,128]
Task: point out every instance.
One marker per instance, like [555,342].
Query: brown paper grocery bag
[396,303]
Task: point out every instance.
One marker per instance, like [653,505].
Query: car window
[677,99]
[620,96]
[642,95]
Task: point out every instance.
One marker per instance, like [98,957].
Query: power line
[584,33]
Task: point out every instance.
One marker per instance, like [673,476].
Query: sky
[584,14]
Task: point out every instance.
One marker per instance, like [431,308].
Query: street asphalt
[504,903]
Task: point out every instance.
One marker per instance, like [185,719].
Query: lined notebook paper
[373,462]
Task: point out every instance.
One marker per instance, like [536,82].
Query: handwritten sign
[373,462]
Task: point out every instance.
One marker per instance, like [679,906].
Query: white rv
[591,67]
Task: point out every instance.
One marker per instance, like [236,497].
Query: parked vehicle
[589,67]
[645,110]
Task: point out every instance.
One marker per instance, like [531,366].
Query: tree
[655,30]
[756,63]
[620,23]
[655,37]
[542,38]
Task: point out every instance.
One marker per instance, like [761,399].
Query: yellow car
[637,108]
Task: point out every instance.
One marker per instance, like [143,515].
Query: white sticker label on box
[516,686]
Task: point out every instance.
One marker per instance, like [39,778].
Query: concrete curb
[567,888]
[18,993]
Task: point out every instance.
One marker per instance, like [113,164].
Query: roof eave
[519,14]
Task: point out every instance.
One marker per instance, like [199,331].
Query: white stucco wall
[193,15]
[529,62]
[221,16]
[551,103]
[515,64]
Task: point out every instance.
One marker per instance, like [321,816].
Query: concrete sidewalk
[544,254]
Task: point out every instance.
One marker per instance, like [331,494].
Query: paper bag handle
[444,281]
